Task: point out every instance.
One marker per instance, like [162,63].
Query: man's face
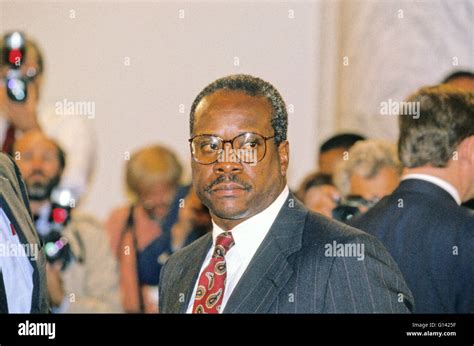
[235,191]
[463,83]
[329,159]
[383,184]
[322,199]
[39,164]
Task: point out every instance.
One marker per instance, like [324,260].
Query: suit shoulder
[320,228]
[7,166]
[197,245]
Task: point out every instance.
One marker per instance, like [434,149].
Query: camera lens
[16,89]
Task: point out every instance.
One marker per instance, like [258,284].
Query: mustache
[228,179]
[36,173]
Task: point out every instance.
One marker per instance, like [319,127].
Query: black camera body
[13,56]
[350,207]
[56,245]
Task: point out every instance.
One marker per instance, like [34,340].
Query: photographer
[371,172]
[21,80]
[81,273]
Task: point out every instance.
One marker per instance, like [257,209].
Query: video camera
[13,56]
[56,245]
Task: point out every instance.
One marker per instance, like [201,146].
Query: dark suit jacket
[432,240]
[291,273]
[14,201]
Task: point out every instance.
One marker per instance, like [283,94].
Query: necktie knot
[224,242]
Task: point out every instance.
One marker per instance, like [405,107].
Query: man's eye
[250,145]
[209,147]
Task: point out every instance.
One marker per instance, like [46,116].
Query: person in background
[422,224]
[318,193]
[372,170]
[140,232]
[73,132]
[81,271]
[460,79]
[463,80]
[193,222]
[332,151]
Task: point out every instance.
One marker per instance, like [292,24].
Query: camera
[13,56]
[351,206]
[56,245]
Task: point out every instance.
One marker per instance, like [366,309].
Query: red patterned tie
[210,290]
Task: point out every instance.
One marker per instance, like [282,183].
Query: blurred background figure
[332,151]
[372,170]
[22,68]
[460,79]
[81,270]
[193,222]
[422,223]
[140,232]
[319,193]
[463,80]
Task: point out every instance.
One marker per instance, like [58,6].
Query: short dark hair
[446,118]
[458,74]
[314,179]
[342,140]
[252,86]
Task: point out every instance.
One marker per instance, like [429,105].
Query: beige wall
[171,59]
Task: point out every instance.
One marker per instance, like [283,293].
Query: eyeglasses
[248,147]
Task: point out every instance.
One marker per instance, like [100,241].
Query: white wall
[171,60]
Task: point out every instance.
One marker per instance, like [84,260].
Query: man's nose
[228,161]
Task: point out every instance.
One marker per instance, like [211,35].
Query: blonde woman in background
[140,231]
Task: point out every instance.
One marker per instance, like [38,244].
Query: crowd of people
[408,195]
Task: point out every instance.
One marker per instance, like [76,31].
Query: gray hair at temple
[446,119]
[366,158]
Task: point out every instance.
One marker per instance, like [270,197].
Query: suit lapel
[12,203]
[15,210]
[269,270]
[189,271]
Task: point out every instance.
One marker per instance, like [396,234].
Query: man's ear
[284,154]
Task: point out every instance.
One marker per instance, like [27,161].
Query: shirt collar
[249,234]
[448,187]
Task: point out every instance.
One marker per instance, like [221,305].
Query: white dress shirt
[449,188]
[248,236]
[16,269]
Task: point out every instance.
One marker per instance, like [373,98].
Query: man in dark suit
[267,253]
[422,224]
[22,261]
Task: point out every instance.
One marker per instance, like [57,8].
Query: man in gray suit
[22,261]
[267,253]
